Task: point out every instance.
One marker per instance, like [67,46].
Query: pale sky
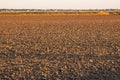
[60,4]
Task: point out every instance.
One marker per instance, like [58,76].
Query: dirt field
[59,47]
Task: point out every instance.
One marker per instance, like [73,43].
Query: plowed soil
[59,47]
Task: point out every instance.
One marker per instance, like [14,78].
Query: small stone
[91,60]
[113,70]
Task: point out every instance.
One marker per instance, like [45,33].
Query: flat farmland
[66,47]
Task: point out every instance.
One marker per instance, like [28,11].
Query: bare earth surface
[60,47]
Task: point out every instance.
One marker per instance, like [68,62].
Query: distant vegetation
[62,12]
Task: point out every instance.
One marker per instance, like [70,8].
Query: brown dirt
[59,47]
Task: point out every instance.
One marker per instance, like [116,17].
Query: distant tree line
[57,10]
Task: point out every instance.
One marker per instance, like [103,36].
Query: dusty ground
[59,47]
